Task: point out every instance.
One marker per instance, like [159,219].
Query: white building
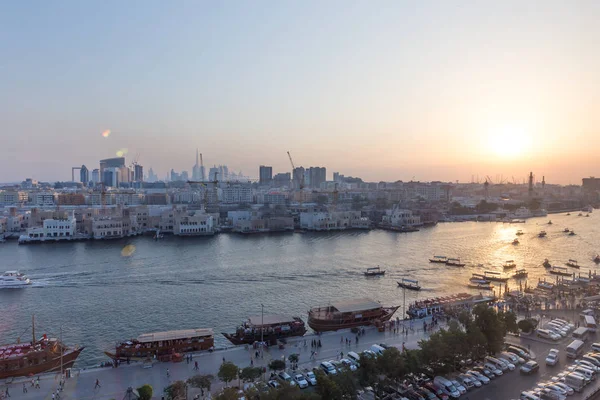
[197,224]
[399,218]
[337,220]
[52,229]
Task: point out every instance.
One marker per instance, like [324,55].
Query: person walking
[168,373]
[32,383]
[196,365]
[98,383]
[24,388]
[37,383]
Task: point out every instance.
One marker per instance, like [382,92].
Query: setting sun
[509,141]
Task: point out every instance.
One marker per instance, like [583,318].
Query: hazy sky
[384,90]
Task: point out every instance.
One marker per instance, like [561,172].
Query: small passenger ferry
[267,328]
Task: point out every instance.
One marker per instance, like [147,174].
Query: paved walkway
[115,381]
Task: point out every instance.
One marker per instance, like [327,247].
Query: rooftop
[174,335]
[352,305]
[270,320]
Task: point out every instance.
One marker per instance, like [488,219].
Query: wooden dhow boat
[349,314]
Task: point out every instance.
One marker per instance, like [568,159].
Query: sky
[387,90]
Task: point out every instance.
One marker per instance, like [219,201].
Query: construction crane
[300,179]
[335,196]
[204,184]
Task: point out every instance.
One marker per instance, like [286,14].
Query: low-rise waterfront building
[336,220]
[51,230]
[400,218]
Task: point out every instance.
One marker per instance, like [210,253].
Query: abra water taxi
[520,274]
[597,259]
[495,276]
[481,286]
[509,264]
[572,233]
[439,259]
[375,271]
[545,285]
[409,284]
[542,234]
[455,262]
[562,271]
[566,230]
[166,346]
[515,242]
[349,314]
[479,278]
[572,263]
[546,263]
[267,328]
[519,233]
[13,280]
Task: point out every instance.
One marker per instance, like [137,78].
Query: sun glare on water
[509,142]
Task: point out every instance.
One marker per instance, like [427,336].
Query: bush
[145,392]
[526,325]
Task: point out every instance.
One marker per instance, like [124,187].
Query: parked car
[511,357]
[519,352]
[348,364]
[328,368]
[497,371]
[552,358]
[479,376]
[484,371]
[462,389]
[468,381]
[596,346]
[285,377]
[529,367]
[311,378]
[566,387]
[274,384]
[436,389]
[428,394]
[301,381]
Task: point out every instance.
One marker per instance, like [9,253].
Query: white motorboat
[13,280]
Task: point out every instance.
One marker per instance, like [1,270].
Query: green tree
[412,360]
[346,382]
[327,388]
[145,392]
[293,358]
[228,394]
[486,319]
[510,322]
[201,381]
[477,343]
[277,365]
[250,374]
[391,364]
[367,373]
[176,391]
[228,371]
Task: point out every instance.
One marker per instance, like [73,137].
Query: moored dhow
[36,357]
[410,284]
[572,263]
[267,328]
[562,271]
[349,314]
[166,346]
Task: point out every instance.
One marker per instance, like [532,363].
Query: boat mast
[33,328]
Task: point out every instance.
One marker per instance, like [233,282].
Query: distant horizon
[387,91]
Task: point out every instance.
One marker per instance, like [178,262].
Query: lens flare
[106,133]
[128,250]
[121,152]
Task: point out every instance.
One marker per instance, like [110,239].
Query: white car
[285,377]
[479,376]
[468,381]
[311,378]
[328,368]
[301,381]
[566,387]
[596,346]
[586,364]
[510,357]
[495,370]
[459,386]
[348,364]
[552,359]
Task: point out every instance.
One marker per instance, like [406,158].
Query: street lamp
[262,323]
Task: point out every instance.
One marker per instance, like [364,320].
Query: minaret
[530,184]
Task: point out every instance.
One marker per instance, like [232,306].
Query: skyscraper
[196,176]
[265,175]
[138,173]
[84,175]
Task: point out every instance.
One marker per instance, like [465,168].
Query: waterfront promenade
[115,381]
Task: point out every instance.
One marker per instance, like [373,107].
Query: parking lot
[511,384]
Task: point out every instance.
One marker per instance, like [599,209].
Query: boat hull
[271,338]
[409,287]
[345,322]
[52,365]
